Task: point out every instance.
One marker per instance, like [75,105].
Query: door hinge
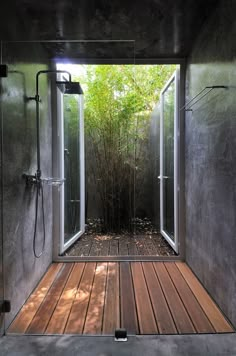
[3,71]
[5,306]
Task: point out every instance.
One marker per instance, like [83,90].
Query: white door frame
[174,243]
[60,109]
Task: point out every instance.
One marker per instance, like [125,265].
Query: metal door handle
[164,177]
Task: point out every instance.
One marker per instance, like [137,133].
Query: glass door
[168,162]
[72,195]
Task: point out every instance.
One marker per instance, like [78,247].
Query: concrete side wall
[211,160]
[22,269]
[1,237]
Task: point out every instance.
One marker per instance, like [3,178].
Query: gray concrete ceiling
[160,28]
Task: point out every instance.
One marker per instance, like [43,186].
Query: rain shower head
[69,87]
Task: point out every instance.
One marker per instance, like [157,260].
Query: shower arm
[37,100]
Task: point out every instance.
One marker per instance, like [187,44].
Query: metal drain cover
[121,335]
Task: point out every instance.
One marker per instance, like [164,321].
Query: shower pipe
[36,179]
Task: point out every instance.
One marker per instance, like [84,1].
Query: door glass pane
[168,159]
[71,166]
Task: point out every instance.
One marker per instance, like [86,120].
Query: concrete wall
[211,160]
[22,269]
[1,237]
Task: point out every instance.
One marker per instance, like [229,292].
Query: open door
[169,161]
[72,167]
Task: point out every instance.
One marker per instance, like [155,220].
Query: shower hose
[39,190]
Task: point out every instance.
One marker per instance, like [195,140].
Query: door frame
[174,244]
[181,163]
[61,217]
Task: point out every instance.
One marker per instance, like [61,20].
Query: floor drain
[120,335]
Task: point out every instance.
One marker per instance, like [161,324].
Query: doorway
[169,181]
[118,213]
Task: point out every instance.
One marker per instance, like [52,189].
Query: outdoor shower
[67,87]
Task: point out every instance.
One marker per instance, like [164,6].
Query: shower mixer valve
[36,179]
[31,179]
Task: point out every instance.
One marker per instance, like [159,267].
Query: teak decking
[96,298]
[127,245]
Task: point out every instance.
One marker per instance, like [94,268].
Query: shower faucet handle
[29,179]
[53,181]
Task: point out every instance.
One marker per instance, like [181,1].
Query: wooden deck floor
[96,298]
[124,245]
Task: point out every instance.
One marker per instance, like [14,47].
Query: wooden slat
[123,247]
[81,247]
[210,308]
[111,318]
[141,247]
[104,248]
[150,246]
[44,313]
[127,301]
[78,312]
[93,322]
[85,248]
[161,310]
[95,249]
[182,321]
[158,247]
[29,310]
[132,248]
[198,317]
[60,315]
[113,248]
[147,323]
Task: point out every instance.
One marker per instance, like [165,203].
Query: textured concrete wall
[1,237]
[211,160]
[22,269]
